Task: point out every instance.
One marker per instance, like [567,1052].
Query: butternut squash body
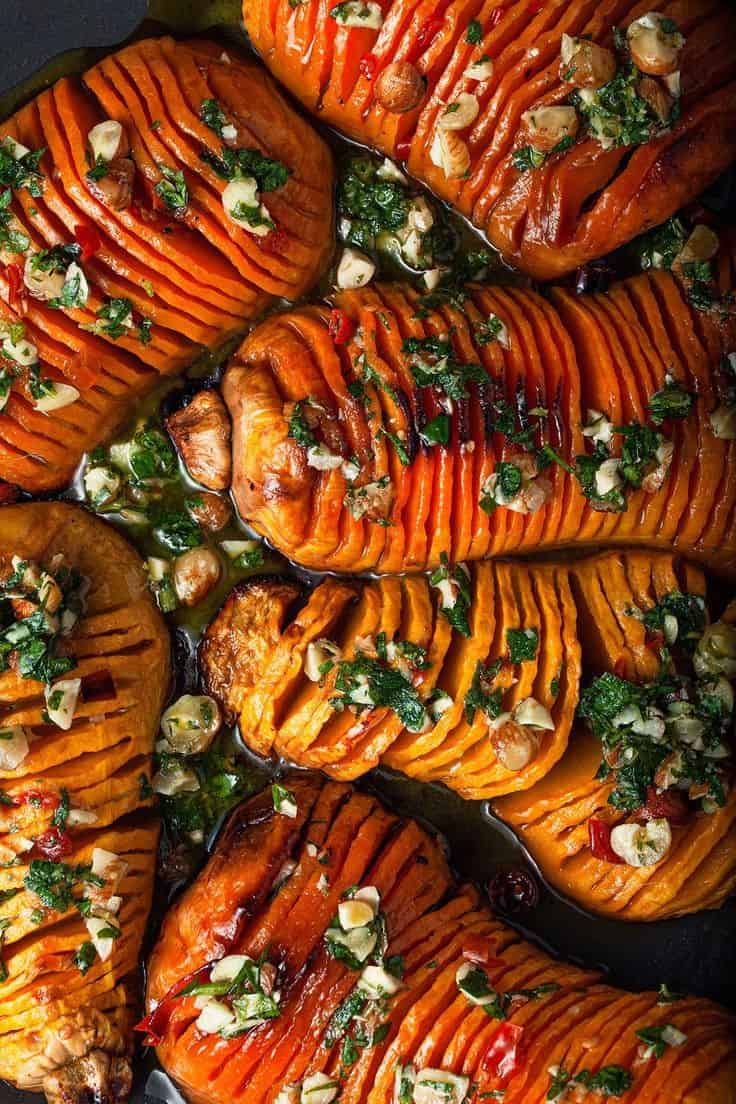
[254,653]
[196,275]
[609,352]
[231,909]
[50,1013]
[581,203]
[551,819]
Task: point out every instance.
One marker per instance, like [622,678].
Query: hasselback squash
[325,950]
[84,662]
[506,424]
[562,129]
[147,212]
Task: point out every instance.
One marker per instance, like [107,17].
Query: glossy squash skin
[608,352]
[255,653]
[193,274]
[341,838]
[53,1017]
[578,205]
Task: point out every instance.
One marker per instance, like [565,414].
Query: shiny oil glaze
[695,953]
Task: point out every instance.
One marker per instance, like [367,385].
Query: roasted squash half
[546,124]
[325,949]
[78,835]
[475,677]
[456,429]
[157,205]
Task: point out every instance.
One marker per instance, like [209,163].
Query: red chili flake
[510,890]
[504,1055]
[535,6]
[672,805]
[15,287]
[155,1023]
[88,240]
[368,65]
[495,18]
[479,949]
[426,34]
[403,149]
[54,845]
[341,326]
[599,836]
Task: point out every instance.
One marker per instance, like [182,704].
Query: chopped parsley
[433,364]
[675,718]
[299,428]
[528,157]
[84,956]
[672,401]
[437,431]
[659,248]
[367,683]
[12,238]
[609,1081]
[236,164]
[522,644]
[224,780]
[177,530]
[54,883]
[474,33]
[370,203]
[23,172]
[172,189]
[213,116]
[453,582]
[688,610]
[481,694]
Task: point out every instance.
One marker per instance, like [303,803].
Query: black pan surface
[695,953]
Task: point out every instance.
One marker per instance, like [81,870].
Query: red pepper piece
[42,799]
[504,1055]
[599,835]
[495,18]
[672,805]
[88,240]
[15,287]
[154,1025]
[403,149]
[655,640]
[340,326]
[535,6]
[479,949]
[55,844]
[368,65]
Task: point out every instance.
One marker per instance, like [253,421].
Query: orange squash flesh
[341,838]
[582,202]
[195,275]
[567,355]
[51,1014]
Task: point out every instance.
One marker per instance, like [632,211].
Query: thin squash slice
[85,668]
[508,425]
[156,206]
[560,129]
[325,948]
